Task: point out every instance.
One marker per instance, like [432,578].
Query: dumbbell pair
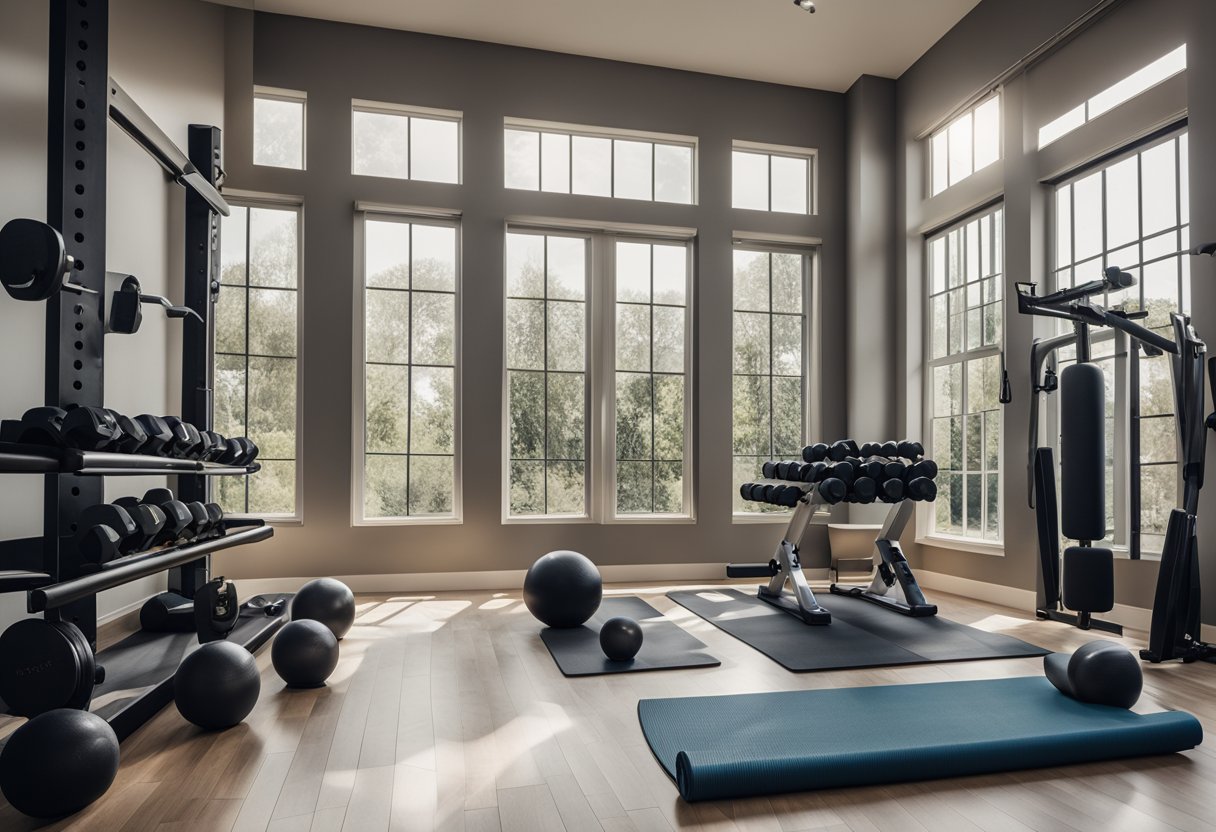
[778,495]
[101,429]
[127,526]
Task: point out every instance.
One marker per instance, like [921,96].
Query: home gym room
[556,415]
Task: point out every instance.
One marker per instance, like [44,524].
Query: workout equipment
[132,438]
[186,442]
[160,437]
[46,665]
[327,600]
[58,763]
[563,588]
[894,585]
[665,645]
[620,638]
[304,653]
[217,685]
[126,306]
[1087,576]
[105,531]
[1100,672]
[34,265]
[723,747]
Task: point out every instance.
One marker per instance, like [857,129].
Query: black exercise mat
[665,645]
[861,634]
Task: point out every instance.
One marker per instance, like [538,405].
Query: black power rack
[58,581]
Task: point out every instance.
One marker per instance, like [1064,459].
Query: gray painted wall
[987,41]
[334,63]
[177,81]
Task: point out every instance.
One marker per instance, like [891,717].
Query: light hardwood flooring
[446,712]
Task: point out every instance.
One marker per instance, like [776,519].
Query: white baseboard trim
[505,579]
[126,609]
[1133,618]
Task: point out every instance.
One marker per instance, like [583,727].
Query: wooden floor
[446,712]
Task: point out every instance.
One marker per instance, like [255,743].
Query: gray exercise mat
[665,645]
[861,634]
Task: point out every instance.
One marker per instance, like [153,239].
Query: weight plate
[40,667]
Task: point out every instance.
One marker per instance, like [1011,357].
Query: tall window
[405,142]
[256,351]
[964,305]
[651,389]
[1133,213]
[773,178]
[410,393]
[969,143]
[769,405]
[278,127]
[569,159]
[547,379]
[634,463]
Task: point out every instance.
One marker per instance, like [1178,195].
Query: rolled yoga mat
[721,747]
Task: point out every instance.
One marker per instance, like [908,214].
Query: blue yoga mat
[721,747]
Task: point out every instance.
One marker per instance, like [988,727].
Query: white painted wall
[169,55]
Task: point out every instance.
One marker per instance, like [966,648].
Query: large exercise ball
[326,600]
[563,589]
[621,638]
[217,685]
[58,763]
[304,653]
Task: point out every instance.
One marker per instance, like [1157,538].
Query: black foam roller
[1083,452]
[1089,579]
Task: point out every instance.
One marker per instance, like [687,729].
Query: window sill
[446,520]
[271,519]
[546,519]
[651,520]
[963,544]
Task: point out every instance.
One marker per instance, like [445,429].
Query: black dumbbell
[922,489]
[240,451]
[102,530]
[755,492]
[840,449]
[150,520]
[89,428]
[815,453]
[832,490]
[863,490]
[201,524]
[186,441]
[217,517]
[160,437]
[179,520]
[217,445]
[132,437]
[769,470]
[843,471]
[812,471]
[38,426]
[926,468]
[891,490]
[909,450]
[786,495]
[889,449]
[869,449]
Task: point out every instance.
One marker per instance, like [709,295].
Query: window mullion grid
[544,467]
[772,434]
[409,370]
[248,294]
[653,402]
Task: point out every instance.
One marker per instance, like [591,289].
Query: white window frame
[295,97]
[610,133]
[409,112]
[607,244]
[810,155]
[944,131]
[810,249]
[926,531]
[252,199]
[1126,463]
[600,363]
[412,215]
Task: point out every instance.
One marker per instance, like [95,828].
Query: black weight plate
[40,667]
[83,694]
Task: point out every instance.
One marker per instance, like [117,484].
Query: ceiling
[764,40]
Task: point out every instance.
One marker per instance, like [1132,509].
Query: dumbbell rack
[58,581]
